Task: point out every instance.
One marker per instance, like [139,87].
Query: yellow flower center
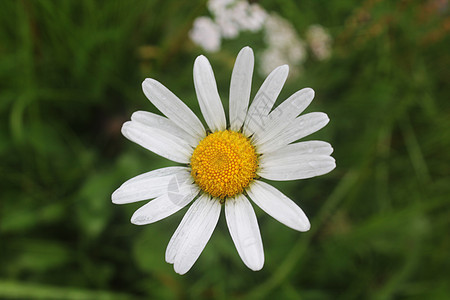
[224,163]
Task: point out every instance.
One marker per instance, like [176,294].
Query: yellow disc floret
[224,163]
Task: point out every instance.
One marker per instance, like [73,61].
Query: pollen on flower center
[224,163]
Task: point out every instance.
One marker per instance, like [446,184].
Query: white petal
[207,94]
[264,100]
[297,149]
[244,230]
[293,167]
[158,141]
[277,205]
[284,115]
[150,185]
[165,205]
[299,128]
[240,87]
[173,108]
[160,122]
[193,233]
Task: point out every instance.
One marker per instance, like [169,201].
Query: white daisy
[224,165]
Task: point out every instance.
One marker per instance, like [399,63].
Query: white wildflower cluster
[230,17]
[284,46]
[319,41]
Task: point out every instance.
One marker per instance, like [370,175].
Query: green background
[70,75]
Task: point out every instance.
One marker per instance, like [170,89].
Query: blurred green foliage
[70,74]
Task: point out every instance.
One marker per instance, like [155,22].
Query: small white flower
[283,45]
[296,52]
[228,27]
[218,6]
[320,41]
[278,31]
[271,58]
[235,16]
[206,34]
[249,16]
[222,166]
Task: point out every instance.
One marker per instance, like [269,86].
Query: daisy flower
[224,165]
